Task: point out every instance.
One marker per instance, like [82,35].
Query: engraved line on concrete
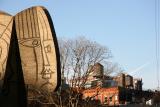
[7,26]
[22,29]
[20,26]
[25,29]
[27,24]
[31,27]
[36,22]
[17,25]
[45,25]
[35,55]
[33,23]
[7,36]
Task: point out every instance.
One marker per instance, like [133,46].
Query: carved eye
[48,45]
[48,48]
[30,42]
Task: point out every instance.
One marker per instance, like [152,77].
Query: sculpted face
[37,49]
[49,52]
[5,35]
[48,73]
[38,60]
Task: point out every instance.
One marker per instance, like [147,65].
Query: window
[116,97]
[110,99]
[105,99]
[48,48]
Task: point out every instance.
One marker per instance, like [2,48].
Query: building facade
[107,96]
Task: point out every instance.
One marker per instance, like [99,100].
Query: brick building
[115,96]
[111,90]
[107,96]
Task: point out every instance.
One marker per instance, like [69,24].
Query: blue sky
[127,27]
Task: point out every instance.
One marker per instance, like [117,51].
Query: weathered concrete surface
[38,49]
[29,56]
[6,22]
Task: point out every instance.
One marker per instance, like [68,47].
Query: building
[115,96]
[120,79]
[96,76]
[137,84]
[107,96]
[113,90]
[97,70]
[128,81]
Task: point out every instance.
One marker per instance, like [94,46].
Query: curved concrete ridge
[4,13]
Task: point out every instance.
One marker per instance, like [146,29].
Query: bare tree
[64,46]
[85,53]
[77,56]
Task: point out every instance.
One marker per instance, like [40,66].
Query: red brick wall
[105,95]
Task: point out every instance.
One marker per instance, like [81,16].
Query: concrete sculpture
[29,56]
[38,48]
[6,22]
